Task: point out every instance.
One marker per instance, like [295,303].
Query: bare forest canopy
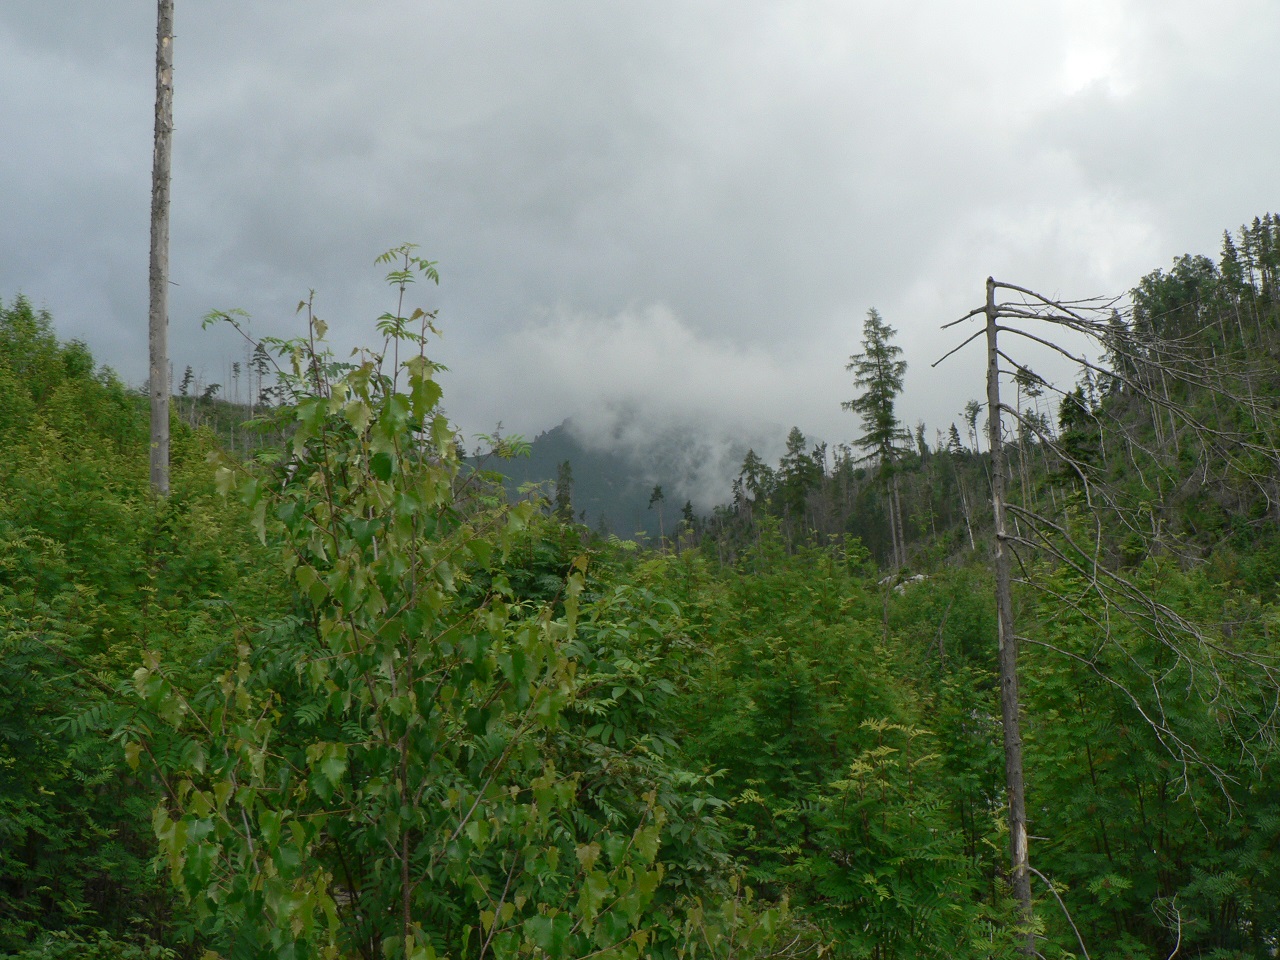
[344,693]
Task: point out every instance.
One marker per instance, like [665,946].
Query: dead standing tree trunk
[1139,366]
[159,272]
[1019,858]
[1007,638]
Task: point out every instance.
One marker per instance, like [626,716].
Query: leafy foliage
[384,712]
[91,568]
[418,760]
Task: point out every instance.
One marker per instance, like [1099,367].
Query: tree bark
[159,273]
[897,509]
[1014,784]
[895,520]
[964,505]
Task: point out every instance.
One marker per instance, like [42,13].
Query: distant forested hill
[611,489]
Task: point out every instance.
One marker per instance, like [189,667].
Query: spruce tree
[879,371]
[564,491]
[798,473]
[658,497]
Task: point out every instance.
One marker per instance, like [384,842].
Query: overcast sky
[682,210]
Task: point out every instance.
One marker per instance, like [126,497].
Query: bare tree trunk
[964,504]
[1173,426]
[899,536]
[895,521]
[902,535]
[1185,641]
[893,531]
[1019,860]
[159,313]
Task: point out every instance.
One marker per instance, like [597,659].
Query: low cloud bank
[642,383]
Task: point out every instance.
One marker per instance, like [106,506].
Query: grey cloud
[765,171]
[644,379]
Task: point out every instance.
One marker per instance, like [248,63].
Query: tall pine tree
[879,371]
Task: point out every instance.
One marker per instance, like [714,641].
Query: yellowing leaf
[588,854]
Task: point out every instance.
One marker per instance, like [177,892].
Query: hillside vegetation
[344,697]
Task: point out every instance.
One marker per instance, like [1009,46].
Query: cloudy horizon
[683,209]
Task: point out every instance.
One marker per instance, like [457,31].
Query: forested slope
[1207,332]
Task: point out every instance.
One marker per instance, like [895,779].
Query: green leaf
[549,933]
[259,520]
[646,842]
[382,464]
[358,414]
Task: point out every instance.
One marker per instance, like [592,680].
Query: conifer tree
[798,473]
[755,480]
[564,491]
[658,497]
[973,410]
[879,371]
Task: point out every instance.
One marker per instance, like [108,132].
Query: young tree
[658,497]
[564,492]
[259,368]
[159,280]
[973,410]
[879,371]
[394,766]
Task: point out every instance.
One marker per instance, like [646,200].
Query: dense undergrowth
[362,706]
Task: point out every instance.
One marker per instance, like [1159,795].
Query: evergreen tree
[973,410]
[564,491]
[922,445]
[798,473]
[756,478]
[879,371]
[657,496]
[259,367]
